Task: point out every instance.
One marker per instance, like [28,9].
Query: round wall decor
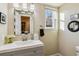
[73,26]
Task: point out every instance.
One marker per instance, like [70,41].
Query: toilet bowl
[77,50]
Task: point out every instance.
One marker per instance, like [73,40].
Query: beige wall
[3,27]
[10,19]
[50,38]
[68,40]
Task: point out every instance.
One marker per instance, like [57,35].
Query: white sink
[24,42]
[31,43]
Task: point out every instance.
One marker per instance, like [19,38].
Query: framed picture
[49,23]
[2,18]
[74,16]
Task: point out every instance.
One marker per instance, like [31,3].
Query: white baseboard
[56,54]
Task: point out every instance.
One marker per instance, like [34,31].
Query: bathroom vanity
[20,43]
[22,48]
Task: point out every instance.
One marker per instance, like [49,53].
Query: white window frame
[53,19]
[62,20]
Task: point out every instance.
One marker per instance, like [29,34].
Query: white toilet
[77,50]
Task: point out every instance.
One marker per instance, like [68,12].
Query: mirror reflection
[25,24]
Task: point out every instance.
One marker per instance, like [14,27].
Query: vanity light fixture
[32,7]
[25,8]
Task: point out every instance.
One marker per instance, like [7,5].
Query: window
[49,18]
[62,21]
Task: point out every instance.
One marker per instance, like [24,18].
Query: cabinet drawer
[38,51]
[6,54]
[29,52]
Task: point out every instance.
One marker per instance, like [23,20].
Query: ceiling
[54,4]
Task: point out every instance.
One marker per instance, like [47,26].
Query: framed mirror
[73,26]
[23,22]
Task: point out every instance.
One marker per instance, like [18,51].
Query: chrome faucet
[24,39]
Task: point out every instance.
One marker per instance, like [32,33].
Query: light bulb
[32,7]
[24,5]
